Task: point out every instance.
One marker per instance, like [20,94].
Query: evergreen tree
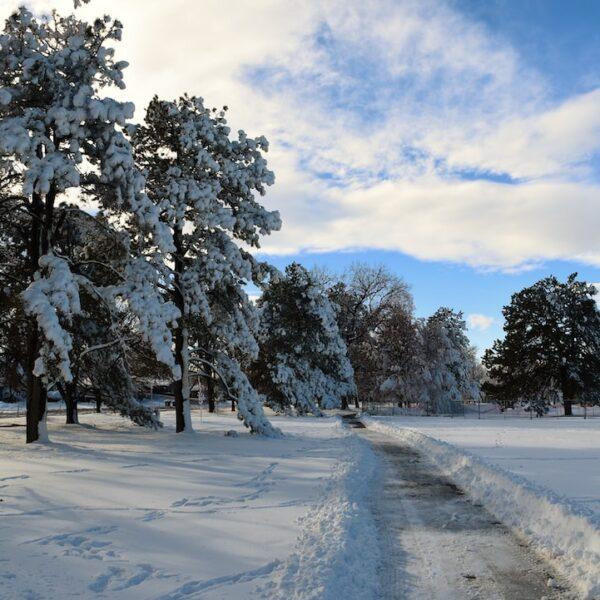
[449,367]
[428,362]
[204,183]
[551,349]
[303,360]
[62,139]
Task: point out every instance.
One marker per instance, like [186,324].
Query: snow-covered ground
[112,510]
[540,476]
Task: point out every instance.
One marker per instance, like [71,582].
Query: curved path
[438,545]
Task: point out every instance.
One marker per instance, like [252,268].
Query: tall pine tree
[303,361]
[551,349]
[205,183]
[62,138]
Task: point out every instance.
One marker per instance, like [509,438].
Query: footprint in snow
[81,543]
[260,481]
[120,578]
[71,471]
[260,477]
[14,477]
[198,588]
[153,515]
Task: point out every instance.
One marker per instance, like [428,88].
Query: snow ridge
[337,552]
[568,535]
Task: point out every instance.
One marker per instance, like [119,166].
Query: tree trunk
[568,404]
[344,403]
[178,383]
[42,211]
[98,402]
[356,404]
[181,387]
[232,405]
[34,384]
[71,404]
[210,393]
[36,411]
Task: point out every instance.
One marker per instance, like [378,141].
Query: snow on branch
[53,294]
[140,290]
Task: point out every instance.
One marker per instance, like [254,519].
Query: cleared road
[437,544]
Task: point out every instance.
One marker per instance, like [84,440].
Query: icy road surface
[437,544]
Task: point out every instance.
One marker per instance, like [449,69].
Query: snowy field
[540,476]
[561,455]
[111,510]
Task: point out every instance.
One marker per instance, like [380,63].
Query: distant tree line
[425,363]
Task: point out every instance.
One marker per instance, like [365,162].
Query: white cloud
[388,99]
[480,322]
[481,223]
[552,143]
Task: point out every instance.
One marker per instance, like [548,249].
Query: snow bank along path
[110,510]
[337,554]
[566,533]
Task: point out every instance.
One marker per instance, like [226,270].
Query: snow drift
[337,552]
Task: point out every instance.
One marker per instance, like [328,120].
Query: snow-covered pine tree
[61,138]
[204,182]
[551,349]
[108,347]
[303,361]
[449,368]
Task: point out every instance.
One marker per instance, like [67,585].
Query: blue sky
[460,287]
[455,141]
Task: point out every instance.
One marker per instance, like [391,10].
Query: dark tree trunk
[180,340]
[98,402]
[36,408]
[232,405]
[71,404]
[568,404]
[178,383]
[36,398]
[344,403]
[210,393]
[356,404]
